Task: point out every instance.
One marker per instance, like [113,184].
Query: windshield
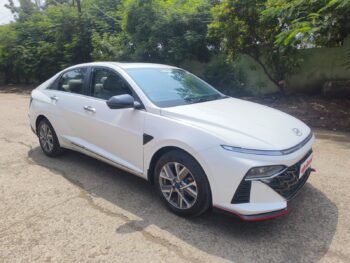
[167,87]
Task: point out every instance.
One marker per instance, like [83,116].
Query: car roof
[124,65]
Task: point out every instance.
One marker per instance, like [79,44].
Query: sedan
[200,148]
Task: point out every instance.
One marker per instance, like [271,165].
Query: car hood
[241,123]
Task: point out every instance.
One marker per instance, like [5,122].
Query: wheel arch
[165,149]
[41,117]
[38,120]
[155,158]
[161,151]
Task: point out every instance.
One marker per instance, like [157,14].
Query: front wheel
[48,139]
[182,184]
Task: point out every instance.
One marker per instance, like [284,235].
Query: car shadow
[303,235]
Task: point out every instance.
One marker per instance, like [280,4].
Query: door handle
[54,98]
[89,109]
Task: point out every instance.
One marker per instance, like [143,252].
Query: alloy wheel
[178,185]
[46,137]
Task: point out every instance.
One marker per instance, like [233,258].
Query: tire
[48,139]
[185,195]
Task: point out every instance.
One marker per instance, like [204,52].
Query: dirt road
[75,208]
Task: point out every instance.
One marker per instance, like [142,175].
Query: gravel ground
[75,208]
[317,111]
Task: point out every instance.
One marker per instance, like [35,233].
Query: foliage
[55,35]
[306,23]
[223,75]
[166,31]
[24,11]
[271,31]
[239,28]
[8,37]
[44,43]
[50,35]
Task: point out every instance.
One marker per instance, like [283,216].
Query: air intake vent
[242,194]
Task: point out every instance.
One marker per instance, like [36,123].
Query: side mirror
[122,102]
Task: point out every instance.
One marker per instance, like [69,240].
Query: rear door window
[73,81]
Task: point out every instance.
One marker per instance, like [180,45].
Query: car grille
[288,183]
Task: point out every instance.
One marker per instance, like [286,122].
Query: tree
[53,34]
[306,23]
[8,41]
[106,33]
[271,31]
[238,28]
[25,9]
[38,45]
[168,31]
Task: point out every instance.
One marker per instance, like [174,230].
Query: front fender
[167,132]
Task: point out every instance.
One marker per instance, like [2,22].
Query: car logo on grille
[297,131]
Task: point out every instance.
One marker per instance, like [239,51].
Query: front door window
[106,84]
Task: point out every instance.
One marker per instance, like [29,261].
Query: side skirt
[100,157]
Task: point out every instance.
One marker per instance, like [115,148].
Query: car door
[115,134]
[66,97]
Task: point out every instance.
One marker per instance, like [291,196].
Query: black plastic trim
[147,138]
[242,194]
[288,184]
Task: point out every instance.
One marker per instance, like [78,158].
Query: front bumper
[254,200]
[290,191]
[252,218]
[287,184]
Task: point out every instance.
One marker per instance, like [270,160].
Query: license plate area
[305,166]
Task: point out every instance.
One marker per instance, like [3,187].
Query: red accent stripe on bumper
[257,217]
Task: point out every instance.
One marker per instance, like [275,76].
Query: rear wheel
[48,139]
[182,184]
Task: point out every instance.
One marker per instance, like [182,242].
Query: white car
[200,148]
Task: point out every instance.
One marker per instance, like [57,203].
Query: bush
[224,76]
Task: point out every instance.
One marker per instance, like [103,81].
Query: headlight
[269,152]
[252,151]
[264,172]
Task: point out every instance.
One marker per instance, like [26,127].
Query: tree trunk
[79,6]
[38,4]
[267,73]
